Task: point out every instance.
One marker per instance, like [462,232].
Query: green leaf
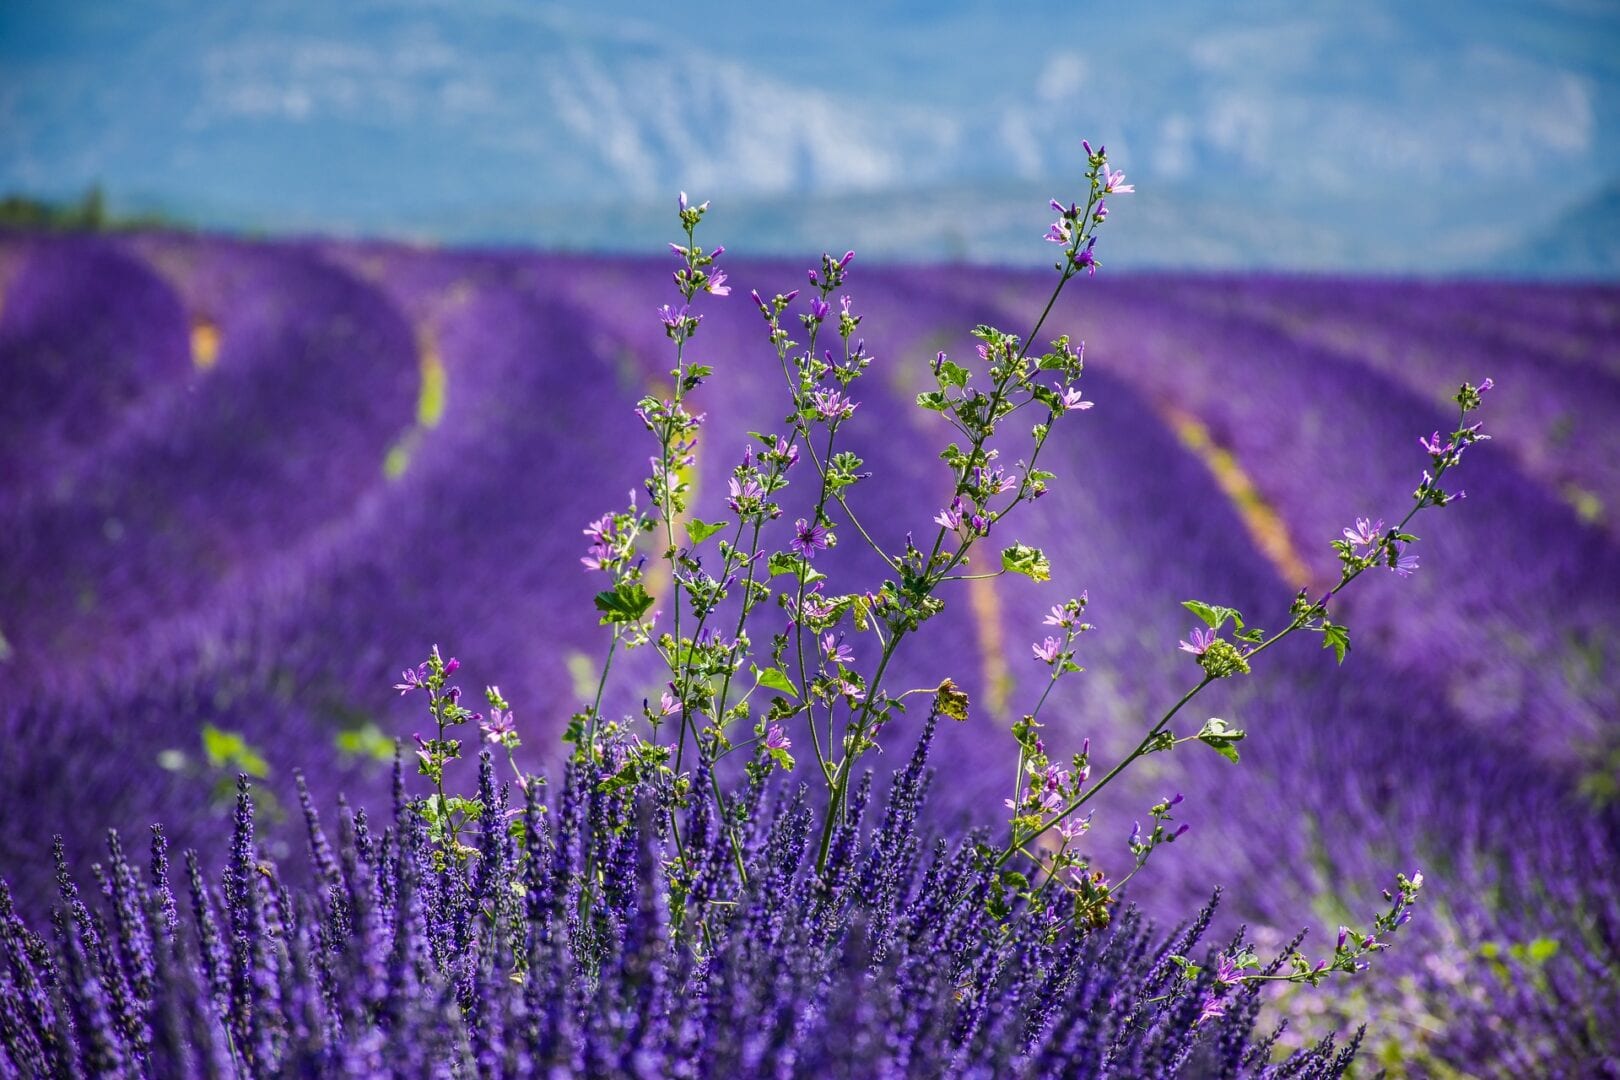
[774,678]
[952,374]
[1214,614]
[698,530]
[1221,737]
[625,603]
[951,700]
[785,562]
[1337,638]
[933,399]
[1026,560]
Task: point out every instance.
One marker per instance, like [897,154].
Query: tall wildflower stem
[845,767]
[1301,619]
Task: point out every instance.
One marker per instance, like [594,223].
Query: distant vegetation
[88,213]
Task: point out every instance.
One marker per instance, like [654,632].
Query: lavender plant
[617,927]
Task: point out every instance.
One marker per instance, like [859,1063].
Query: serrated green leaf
[785,562]
[1221,737]
[1214,614]
[698,530]
[952,374]
[625,603]
[1026,560]
[1337,638]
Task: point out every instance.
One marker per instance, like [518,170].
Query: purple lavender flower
[808,539]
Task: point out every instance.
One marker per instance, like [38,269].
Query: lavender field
[242,484]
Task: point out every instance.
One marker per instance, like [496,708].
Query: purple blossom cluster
[557,947]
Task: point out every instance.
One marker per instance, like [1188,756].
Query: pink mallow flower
[834,649]
[1071,398]
[499,725]
[414,679]
[1365,532]
[1114,183]
[1202,639]
[1048,651]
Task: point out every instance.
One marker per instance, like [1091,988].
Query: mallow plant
[713,885]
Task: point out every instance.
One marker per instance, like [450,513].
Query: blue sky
[1380,135]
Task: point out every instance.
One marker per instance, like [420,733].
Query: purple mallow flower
[1202,639]
[951,516]
[1366,533]
[833,405]
[1114,182]
[1086,258]
[499,725]
[1048,651]
[776,738]
[1434,446]
[1070,396]
[808,539]
[600,552]
[747,490]
[834,649]
[414,679]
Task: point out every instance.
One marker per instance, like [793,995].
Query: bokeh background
[321,328]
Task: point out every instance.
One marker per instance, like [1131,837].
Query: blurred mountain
[1370,135]
[1583,242]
